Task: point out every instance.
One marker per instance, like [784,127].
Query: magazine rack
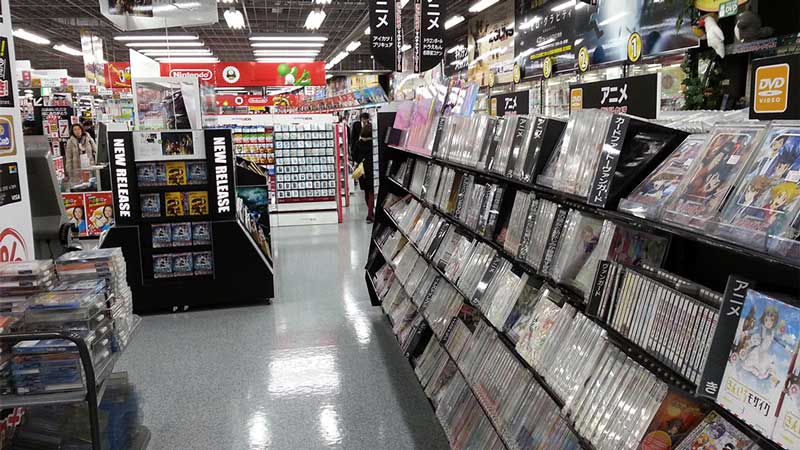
[703,259]
[241,273]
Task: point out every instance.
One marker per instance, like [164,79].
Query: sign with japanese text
[386,37]
[6,86]
[490,44]
[543,31]
[511,103]
[429,17]
[638,96]
[456,57]
[250,73]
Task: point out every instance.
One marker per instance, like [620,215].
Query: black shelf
[180,249]
[175,219]
[627,219]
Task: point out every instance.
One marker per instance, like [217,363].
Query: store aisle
[317,369]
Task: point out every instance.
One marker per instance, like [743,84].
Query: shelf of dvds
[427,217]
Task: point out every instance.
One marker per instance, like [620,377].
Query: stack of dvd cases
[20,280]
[46,366]
[109,265]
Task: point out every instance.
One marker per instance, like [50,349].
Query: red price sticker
[12,246]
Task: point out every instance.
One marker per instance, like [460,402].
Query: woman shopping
[81,153]
[363,155]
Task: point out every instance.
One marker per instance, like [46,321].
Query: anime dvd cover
[182,264]
[175,204]
[161,235]
[151,205]
[201,233]
[715,433]
[677,415]
[758,363]
[146,174]
[176,173]
[712,175]
[767,201]
[654,191]
[181,234]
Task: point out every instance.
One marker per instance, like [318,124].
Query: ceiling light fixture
[337,59]
[405,48]
[368,31]
[481,5]
[290,59]
[28,36]
[290,38]
[234,19]
[188,59]
[156,37]
[351,47]
[286,52]
[323,2]
[165,44]
[315,19]
[613,18]
[162,52]
[563,6]
[68,50]
[453,21]
[287,44]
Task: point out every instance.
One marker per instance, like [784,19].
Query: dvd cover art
[175,205]
[177,143]
[150,204]
[162,266]
[767,201]
[99,212]
[787,427]
[712,175]
[162,235]
[583,235]
[198,203]
[758,364]
[181,234]
[75,211]
[715,433]
[182,264]
[201,233]
[196,172]
[161,174]
[176,173]
[654,191]
[146,174]
[677,415]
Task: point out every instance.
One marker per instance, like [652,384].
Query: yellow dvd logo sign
[772,89]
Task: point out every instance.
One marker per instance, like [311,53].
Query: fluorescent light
[486,38]
[405,48]
[286,52]
[329,76]
[452,50]
[68,50]
[337,59]
[188,59]
[28,36]
[403,3]
[156,37]
[290,59]
[190,52]
[351,47]
[323,2]
[234,19]
[563,6]
[315,19]
[290,38]
[529,23]
[578,41]
[368,31]
[165,44]
[453,21]
[545,42]
[481,5]
[613,18]
[287,44]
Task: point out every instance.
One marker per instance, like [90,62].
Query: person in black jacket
[363,154]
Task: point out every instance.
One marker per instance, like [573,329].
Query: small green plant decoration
[702,89]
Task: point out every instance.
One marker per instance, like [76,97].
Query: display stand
[703,259]
[217,263]
[94,379]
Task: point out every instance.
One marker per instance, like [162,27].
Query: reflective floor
[317,369]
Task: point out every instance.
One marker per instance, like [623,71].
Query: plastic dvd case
[647,199]
[201,233]
[764,209]
[181,234]
[151,205]
[712,175]
[162,235]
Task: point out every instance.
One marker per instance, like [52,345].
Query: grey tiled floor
[317,369]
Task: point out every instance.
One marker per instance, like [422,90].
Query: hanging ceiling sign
[117,74]
[149,14]
[248,73]
[429,16]
[638,96]
[490,45]
[544,31]
[386,36]
[510,104]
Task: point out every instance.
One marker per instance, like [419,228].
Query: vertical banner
[16,229]
[384,43]
[219,155]
[93,61]
[429,16]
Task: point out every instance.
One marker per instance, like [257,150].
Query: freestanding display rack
[224,266]
[696,256]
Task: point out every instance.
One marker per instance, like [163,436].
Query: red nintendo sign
[247,73]
[256,100]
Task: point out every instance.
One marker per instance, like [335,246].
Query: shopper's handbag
[359,171]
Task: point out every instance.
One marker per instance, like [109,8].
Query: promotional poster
[545,29]
[491,45]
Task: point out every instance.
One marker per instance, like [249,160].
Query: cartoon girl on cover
[759,360]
